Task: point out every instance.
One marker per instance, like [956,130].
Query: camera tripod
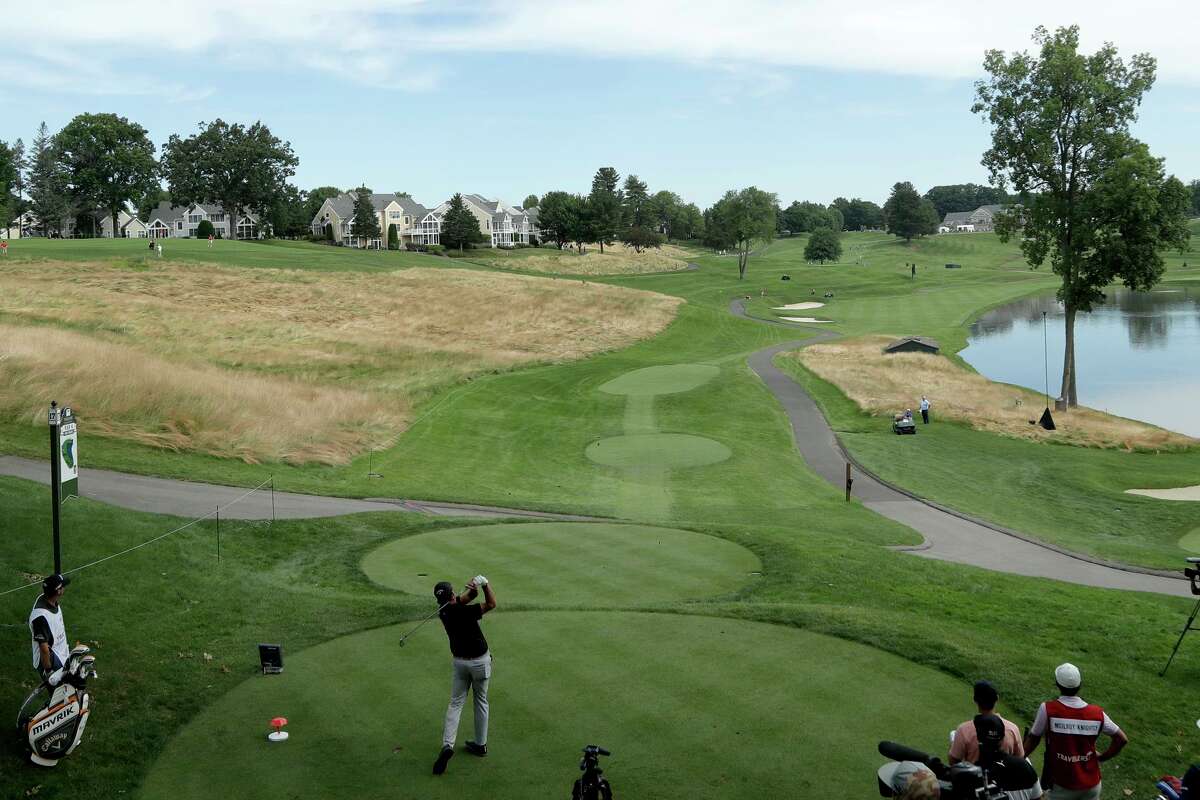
[1194,574]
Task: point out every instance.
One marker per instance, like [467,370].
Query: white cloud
[402,43]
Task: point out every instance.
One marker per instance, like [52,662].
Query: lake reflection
[1138,355]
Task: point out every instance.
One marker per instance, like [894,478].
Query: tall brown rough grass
[886,384]
[617,259]
[189,357]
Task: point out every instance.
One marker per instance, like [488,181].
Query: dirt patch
[186,356]
[883,384]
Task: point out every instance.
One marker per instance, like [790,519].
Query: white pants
[469,673]
[1058,793]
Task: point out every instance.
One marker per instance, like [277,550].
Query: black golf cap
[443,591]
[52,583]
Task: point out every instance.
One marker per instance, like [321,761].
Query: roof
[169,213]
[410,206]
[993,208]
[957,218]
[924,341]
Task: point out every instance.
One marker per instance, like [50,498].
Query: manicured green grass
[662,380]
[272,253]
[572,563]
[710,708]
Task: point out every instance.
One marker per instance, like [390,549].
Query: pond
[1137,356]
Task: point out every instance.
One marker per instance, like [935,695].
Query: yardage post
[54,418]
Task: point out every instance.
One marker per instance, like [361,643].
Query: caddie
[50,648]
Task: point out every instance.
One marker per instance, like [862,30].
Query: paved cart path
[190,500]
[949,535]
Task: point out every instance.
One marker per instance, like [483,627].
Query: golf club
[422,622]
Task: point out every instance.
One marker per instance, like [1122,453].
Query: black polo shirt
[462,627]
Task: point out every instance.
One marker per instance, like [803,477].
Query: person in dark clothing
[472,662]
[49,634]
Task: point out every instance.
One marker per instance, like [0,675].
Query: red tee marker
[278,735]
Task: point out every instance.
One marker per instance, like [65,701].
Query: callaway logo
[49,723]
[50,743]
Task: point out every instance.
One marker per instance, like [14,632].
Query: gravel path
[949,535]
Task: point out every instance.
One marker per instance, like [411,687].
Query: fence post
[272,499]
[218,534]
[849,481]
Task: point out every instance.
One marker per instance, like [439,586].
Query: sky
[810,99]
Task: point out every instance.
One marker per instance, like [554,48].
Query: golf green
[1191,541]
[690,706]
[567,563]
[657,451]
[662,380]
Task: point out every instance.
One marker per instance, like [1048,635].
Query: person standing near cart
[472,663]
[924,409]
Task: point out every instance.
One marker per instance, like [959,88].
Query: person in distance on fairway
[472,663]
[50,649]
[1071,727]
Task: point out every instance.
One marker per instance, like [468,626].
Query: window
[178,224]
[194,218]
[217,218]
[394,215]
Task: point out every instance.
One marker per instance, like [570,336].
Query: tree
[964,197]
[459,225]
[315,198]
[393,242]
[859,214]
[907,214]
[49,196]
[635,203]
[365,219]
[150,201]
[836,221]
[742,219]
[8,183]
[329,231]
[1096,202]
[603,208]
[807,217]
[288,215]
[205,229]
[825,244]
[237,167]
[640,238]
[529,202]
[1194,186]
[557,217]
[109,162]
[690,223]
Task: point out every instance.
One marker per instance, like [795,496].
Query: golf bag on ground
[592,785]
[57,728]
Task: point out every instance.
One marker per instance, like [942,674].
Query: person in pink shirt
[965,744]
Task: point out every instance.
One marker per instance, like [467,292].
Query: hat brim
[888,771]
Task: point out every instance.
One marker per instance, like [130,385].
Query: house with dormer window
[171,221]
[399,210]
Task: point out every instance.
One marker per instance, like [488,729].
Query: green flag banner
[68,455]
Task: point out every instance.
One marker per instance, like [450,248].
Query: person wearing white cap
[1071,727]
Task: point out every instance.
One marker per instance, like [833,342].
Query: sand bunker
[805,319]
[799,306]
[1178,493]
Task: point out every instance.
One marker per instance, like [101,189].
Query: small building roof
[957,218]
[921,341]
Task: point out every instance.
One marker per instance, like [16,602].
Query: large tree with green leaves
[109,162]
[741,219]
[365,219]
[240,168]
[9,170]
[636,203]
[1099,206]
[825,244]
[47,185]
[859,214]
[315,198]
[964,197]
[557,217]
[1194,188]
[459,226]
[907,214]
[529,202]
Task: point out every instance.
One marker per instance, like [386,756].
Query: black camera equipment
[1192,573]
[593,785]
[988,780]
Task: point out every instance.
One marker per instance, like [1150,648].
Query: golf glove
[480,581]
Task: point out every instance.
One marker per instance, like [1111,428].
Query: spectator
[965,746]
[1071,727]
[925,409]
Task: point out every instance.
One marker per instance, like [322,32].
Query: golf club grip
[900,752]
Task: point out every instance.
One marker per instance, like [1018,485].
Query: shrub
[329,231]
[205,229]
[435,249]
[823,245]
[393,238]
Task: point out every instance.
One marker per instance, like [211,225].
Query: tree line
[105,163]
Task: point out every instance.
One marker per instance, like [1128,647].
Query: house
[168,220]
[984,217]
[913,344]
[957,222]
[502,225]
[128,226]
[390,209]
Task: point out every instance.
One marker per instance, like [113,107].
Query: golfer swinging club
[472,662]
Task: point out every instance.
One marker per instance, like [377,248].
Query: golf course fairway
[569,563]
[690,706]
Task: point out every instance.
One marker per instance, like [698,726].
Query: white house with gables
[982,219]
[501,224]
[170,221]
[391,209]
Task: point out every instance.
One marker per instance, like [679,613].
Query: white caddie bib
[57,629]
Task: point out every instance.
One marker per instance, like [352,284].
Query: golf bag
[56,730]
[994,778]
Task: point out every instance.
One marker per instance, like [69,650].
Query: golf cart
[903,423]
